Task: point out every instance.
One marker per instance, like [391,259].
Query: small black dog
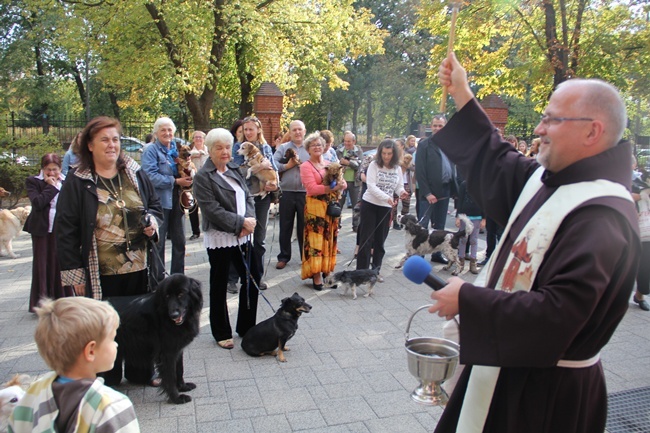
[270,336]
[154,329]
[352,279]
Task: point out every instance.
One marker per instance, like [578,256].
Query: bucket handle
[408,326]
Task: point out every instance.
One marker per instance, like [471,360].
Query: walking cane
[455,7]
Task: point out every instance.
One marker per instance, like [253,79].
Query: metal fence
[64,128]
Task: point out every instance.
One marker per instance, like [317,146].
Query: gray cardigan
[217,200]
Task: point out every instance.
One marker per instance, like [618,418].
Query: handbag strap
[317,171]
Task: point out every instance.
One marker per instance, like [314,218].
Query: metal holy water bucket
[431,360]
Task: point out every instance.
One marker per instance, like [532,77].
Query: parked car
[131,144]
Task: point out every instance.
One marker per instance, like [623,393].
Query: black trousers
[194,220]
[643,275]
[374,231]
[220,261]
[492,235]
[292,206]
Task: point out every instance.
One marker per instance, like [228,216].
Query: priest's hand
[454,76]
[447,299]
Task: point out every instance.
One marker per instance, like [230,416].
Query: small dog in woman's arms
[253,159]
[333,172]
[420,242]
[352,279]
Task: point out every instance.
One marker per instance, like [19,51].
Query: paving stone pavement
[346,371]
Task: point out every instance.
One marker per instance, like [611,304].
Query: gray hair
[600,97]
[313,138]
[218,135]
[162,121]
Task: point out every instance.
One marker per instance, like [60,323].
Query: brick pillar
[496,110]
[267,106]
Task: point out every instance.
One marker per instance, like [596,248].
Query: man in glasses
[562,276]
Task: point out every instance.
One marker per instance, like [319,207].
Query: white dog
[11,223]
[9,397]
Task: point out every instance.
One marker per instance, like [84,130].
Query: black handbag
[333,209]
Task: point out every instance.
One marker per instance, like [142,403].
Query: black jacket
[428,170]
[40,195]
[76,215]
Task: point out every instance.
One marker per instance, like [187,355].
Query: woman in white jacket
[384,178]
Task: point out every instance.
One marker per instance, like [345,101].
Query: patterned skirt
[319,242]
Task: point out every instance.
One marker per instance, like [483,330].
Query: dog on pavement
[420,242]
[270,336]
[253,158]
[12,392]
[11,223]
[154,329]
[352,279]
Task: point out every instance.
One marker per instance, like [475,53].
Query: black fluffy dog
[154,330]
[270,336]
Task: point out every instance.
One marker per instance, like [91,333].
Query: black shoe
[263,285]
[643,304]
[232,288]
[439,258]
[318,287]
[397,226]
[484,262]
[194,236]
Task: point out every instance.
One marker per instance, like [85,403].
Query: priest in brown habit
[533,351]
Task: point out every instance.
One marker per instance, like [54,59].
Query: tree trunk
[81,89]
[199,106]
[245,79]
[557,52]
[368,118]
[356,104]
[114,106]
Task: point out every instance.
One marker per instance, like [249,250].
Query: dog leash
[246,258]
[154,251]
[429,208]
[369,237]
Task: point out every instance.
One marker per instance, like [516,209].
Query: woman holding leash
[321,229]
[43,192]
[384,178]
[228,212]
[106,214]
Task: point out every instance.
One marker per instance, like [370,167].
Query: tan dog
[11,223]
[253,158]
[334,171]
[406,162]
[4,192]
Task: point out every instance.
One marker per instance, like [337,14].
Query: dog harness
[524,260]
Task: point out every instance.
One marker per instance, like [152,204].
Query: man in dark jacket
[436,179]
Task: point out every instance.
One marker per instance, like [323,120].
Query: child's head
[67,325]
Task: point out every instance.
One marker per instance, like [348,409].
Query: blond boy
[76,338]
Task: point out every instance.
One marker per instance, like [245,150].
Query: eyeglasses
[546,120]
[316,145]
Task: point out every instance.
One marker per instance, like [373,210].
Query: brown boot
[472,266]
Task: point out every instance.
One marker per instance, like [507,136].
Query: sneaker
[232,288]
